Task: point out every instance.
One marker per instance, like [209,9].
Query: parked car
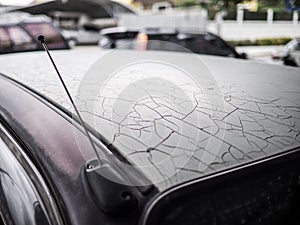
[18,33]
[80,21]
[201,43]
[291,57]
[286,53]
[169,153]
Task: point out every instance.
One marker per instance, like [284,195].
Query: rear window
[54,38]
[208,44]
[14,39]
[22,37]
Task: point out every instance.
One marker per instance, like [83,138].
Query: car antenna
[41,38]
[110,190]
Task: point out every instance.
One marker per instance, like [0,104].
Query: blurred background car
[291,56]
[290,46]
[18,33]
[80,21]
[255,28]
[144,39]
[226,153]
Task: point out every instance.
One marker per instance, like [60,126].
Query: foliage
[186,3]
[261,42]
[277,5]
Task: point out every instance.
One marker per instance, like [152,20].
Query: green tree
[231,3]
[274,4]
[186,3]
[227,4]
[263,4]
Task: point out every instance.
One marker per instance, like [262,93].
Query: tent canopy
[92,8]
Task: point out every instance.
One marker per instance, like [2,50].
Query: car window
[5,41]
[54,39]
[22,37]
[210,45]
[14,38]
[22,197]
[201,44]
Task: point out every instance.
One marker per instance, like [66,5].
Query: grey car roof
[170,128]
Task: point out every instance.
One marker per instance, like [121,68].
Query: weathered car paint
[265,192]
[260,116]
[53,143]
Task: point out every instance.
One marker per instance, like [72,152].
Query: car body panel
[53,144]
[259,113]
[289,53]
[264,193]
[253,128]
[292,58]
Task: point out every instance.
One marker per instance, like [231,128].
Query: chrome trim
[217,174]
[36,179]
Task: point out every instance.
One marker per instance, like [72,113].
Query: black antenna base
[108,191]
[41,38]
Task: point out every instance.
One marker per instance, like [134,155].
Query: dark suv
[160,39]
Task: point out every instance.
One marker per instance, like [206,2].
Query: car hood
[175,116]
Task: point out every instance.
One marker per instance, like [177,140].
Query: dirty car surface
[218,142]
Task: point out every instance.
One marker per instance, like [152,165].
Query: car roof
[237,112]
[150,30]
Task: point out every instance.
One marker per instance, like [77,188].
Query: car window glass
[214,46]
[19,198]
[14,38]
[19,36]
[54,39]
[5,41]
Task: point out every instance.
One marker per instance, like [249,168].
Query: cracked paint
[168,129]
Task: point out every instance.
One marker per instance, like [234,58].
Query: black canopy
[92,8]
